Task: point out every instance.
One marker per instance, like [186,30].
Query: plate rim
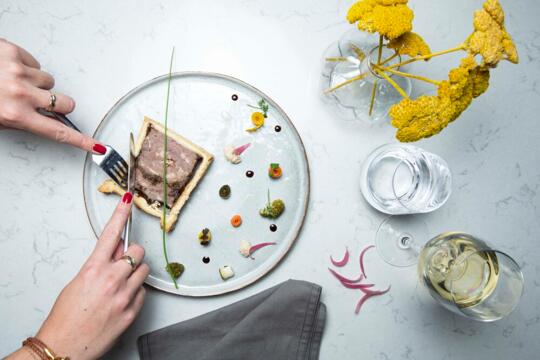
[296,235]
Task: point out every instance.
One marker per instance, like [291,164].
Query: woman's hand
[102,300]
[23,89]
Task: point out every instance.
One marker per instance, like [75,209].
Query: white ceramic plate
[202,109]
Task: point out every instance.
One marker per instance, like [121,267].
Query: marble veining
[99,50]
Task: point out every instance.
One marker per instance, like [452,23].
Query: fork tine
[115,166]
[120,160]
[112,175]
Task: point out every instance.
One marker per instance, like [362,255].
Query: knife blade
[130,187]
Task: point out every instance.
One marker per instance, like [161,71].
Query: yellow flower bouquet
[426,115]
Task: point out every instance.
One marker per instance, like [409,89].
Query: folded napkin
[284,322]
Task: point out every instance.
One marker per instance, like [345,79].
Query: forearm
[22,354]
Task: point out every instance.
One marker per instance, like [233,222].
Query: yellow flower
[390,18]
[490,38]
[428,115]
[257,119]
[410,44]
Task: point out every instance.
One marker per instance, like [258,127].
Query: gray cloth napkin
[284,322]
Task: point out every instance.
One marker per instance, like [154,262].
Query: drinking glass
[404,179]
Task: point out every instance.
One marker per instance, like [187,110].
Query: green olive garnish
[225,192]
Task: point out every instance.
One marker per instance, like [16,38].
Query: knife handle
[60,117]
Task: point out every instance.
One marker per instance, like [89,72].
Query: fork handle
[60,117]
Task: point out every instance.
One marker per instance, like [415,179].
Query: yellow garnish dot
[410,44]
[390,18]
[257,119]
[490,38]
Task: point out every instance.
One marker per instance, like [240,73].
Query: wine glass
[469,278]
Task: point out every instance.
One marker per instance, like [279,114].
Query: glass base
[399,239]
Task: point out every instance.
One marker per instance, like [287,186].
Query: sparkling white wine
[458,270]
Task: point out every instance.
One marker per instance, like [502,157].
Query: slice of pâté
[186,165]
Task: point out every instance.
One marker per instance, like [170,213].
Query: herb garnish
[263,106]
[168,266]
[273,209]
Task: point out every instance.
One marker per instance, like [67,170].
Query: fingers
[108,241]
[39,78]
[138,277]
[137,303]
[123,267]
[28,59]
[119,251]
[55,130]
[42,98]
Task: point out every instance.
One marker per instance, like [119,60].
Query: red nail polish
[126,199]
[100,149]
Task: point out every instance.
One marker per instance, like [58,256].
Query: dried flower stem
[358,77]
[393,83]
[407,75]
[335,59]
[388,59]
[376,83]
[372,102]
[359,53]
[428,56]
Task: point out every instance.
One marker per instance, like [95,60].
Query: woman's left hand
[24,88]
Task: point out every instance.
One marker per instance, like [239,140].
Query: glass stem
[408,243]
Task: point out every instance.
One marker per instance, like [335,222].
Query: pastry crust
[110,187]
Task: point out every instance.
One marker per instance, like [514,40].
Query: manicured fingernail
[126,199]
[100,149]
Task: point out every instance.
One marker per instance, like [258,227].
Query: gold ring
[130,261]
[52,102]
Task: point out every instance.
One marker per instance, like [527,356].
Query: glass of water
[399,179]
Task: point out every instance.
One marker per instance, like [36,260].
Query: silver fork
[111,162]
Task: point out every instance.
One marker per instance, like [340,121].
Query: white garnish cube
[226,272]
[245,246]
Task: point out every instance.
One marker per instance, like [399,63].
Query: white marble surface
[101,49]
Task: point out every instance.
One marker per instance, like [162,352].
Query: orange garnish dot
[236,221]
[275,173]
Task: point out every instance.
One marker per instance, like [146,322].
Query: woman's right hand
[97,306]
[24,88]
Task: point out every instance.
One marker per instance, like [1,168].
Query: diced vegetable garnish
[226,272]
[204,236]
[245,247]
[236,221]
[225,191]
[273,209]
[274,171]
[175,269]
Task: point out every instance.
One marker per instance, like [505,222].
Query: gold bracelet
[39,348]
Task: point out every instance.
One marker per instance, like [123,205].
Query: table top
[99,50]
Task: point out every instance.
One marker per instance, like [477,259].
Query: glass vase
[350,82]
